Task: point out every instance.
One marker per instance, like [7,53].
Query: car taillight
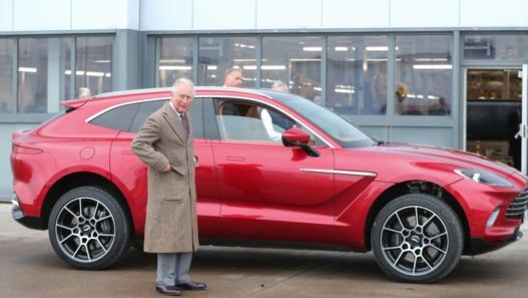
[25,150]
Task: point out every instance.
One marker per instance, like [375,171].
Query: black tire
[422,251]
[89,229]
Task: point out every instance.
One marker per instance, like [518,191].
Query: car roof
[198,89]
[139,94]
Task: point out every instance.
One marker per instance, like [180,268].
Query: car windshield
[338,128]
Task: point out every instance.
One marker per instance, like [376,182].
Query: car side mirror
[295,137]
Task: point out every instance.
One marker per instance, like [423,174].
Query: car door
[133,173]
[269,191]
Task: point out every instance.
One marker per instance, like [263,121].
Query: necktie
[184,124]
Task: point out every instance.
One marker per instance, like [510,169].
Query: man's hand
[166,169]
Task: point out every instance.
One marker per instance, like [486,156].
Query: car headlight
[484,177]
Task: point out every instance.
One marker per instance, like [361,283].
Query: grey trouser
[173,268]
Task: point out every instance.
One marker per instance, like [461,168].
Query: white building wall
[509,13]
[104,14]
[176,15]
[331,14]
[34,15]
[225,14]
[51,15]
[425,13]
[6,15]
[282,14]
[166,15]
[356,14]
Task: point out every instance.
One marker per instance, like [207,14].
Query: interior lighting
[95,74]
[174,67]
[432,66]
[312,49]
[27,69]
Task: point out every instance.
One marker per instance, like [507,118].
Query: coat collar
[171,116]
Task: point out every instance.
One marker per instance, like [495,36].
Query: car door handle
[236,158]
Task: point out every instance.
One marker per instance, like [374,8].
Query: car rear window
[145,109]
[118,118]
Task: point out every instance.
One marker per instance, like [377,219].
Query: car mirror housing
[295,137]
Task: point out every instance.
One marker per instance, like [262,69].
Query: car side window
[118,118]
[240,121]
[249,121]
[145,109]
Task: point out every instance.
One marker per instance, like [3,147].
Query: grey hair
[182,82]
[232,69]
[280,85]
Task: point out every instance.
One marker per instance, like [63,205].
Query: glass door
[496,114]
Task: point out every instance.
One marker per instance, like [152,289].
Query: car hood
[396,162]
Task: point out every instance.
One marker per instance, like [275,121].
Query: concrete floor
[30,268]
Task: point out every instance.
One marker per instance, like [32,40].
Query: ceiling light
[377,49]
[95,74]
[312,49]
[432,66]
[27,69]
[174,67]
[265,67]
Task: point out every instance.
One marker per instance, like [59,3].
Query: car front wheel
[88,228]
[417,238]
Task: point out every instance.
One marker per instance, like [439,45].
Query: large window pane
[94,63]
[357,68]
[295,60]
[217,54]
[175,60]
[43,64]
[496,47]
[6,78]
[424,75]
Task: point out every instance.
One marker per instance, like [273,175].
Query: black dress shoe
[192,286]
[168,290]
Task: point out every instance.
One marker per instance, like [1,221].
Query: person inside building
[84,93]
[233,77]
[280,86]
[514,140]
[442,108]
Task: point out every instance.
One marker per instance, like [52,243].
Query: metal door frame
[524,118]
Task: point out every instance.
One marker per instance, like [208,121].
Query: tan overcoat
[171,224]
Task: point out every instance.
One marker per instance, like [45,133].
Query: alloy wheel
[85,229]
[414,240]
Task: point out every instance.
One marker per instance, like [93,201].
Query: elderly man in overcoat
[165,143]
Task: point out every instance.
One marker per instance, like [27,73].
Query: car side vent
[518,206]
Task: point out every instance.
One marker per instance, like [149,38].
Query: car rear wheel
[417,238]
[89,229]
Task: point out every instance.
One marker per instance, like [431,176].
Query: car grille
[518,206]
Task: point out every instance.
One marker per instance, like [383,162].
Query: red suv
[300,177]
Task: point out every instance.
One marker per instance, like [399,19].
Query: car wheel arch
[74,180]
[403,188]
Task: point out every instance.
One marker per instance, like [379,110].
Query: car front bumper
[479,246]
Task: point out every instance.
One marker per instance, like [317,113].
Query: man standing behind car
[165,143]
[233,77]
